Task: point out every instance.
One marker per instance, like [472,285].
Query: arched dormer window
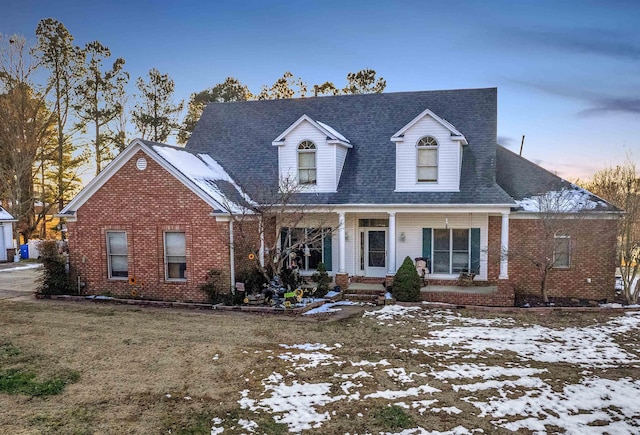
[427,161]
[307,162]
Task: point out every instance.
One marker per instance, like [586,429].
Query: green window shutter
[475,250]
[284,232]
[426,245]
[327,253]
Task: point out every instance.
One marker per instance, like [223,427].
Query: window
[561,251]
[427,161]
[307,162]
[305,248]
[117,262]
[175,256]
[451,251]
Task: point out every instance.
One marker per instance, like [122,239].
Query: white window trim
[568,239]
[315,161]
[325,232]
[419,148]
[433,250]
[166,263]
[109,255]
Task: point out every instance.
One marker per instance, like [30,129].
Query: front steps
[364,292]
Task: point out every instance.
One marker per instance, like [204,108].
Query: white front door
[375,251]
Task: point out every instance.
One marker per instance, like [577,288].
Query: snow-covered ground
[452,354]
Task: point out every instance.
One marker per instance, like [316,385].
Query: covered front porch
[373,244]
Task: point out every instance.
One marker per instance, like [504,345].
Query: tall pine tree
[155,115]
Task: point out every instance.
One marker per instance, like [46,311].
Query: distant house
[6,236]
[415,174]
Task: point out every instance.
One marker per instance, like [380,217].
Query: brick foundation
[504,297]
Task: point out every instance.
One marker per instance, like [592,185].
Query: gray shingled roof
[239,135]
[522,179]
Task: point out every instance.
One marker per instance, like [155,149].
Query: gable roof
[5,216]
[455,134]
[332,135]
[199,173]
[530,185]
[239,135]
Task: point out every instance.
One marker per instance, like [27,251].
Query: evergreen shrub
[406,283]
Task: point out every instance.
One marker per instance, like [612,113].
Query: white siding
[3,247]
[325,157]
[449,159]
[412,224]
[341,155]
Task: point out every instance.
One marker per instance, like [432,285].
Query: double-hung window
[175,256]
[305,248]
[307,162]
[451,251]
[427,160]
[561,251]
[117,262]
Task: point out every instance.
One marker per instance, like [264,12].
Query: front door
[375,260]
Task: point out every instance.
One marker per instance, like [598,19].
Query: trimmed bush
[322,279]
[55,280]
[406,283]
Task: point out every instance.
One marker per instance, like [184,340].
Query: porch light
[403,237]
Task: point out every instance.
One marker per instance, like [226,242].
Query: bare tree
[26,132]
[559,217]
[621,187]
[269,228]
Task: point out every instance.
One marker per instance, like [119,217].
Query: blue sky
[567,72]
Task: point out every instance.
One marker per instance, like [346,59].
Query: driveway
[19,280]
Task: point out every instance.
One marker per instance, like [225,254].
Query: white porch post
[504,246]
[391,258]
[342,232]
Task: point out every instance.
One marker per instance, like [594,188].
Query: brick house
[415,174]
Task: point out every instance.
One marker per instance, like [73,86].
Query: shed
[6,235]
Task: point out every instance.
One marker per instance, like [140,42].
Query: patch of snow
[389,312]
[308,346]
[382,362]
[5,215]
[331,294]
[248,425]
[203,171]
[216,430]
[396,394]
[25,267]
[561,201]
[333,132]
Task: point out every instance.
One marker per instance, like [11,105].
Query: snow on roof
[5,216]
[568,200]
[333,131]
[203,171]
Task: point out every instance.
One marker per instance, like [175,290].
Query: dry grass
[129,360]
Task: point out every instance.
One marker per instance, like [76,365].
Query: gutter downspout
[232,260]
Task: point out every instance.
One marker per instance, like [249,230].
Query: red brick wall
[592,258]
[145,204]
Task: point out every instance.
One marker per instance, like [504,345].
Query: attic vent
[141,164]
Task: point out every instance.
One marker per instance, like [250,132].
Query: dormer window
[427,161]
[307,162]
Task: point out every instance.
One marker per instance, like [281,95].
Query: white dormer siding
[331,152]
[449,153]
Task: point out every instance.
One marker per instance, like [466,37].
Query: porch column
[391,258]
[504,246]
[342,235]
